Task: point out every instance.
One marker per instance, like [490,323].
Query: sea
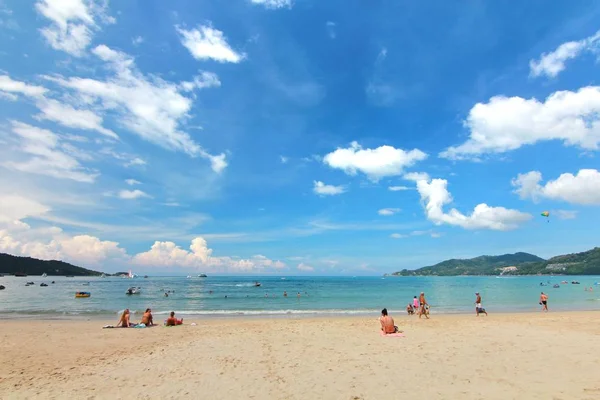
[223,296]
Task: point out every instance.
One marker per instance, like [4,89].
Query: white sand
[518,356]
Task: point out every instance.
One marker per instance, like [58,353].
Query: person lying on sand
[172,321]
[147,318]
[387,323]
[124,321]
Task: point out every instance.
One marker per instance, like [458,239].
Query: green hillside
[31,266]
[585,263]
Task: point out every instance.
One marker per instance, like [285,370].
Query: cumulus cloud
[200,256]
[132,182]
[435,195]
[15,207]
[273,4]
[132,194]
[553,63]
[507,123]
[40,151]
[388,211]
[150,107]
[416,176]
[208,43]
[72,23]
[11,87]
[327,190]
[305,267]
[432,234]
[136,41]
[582,188]
[375,163]
[565,214]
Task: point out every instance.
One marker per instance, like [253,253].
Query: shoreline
[277,316]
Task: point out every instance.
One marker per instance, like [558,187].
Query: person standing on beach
[415,303]
[544,301]
[422,306]
[478,307]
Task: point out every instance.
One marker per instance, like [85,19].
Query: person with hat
[478,307]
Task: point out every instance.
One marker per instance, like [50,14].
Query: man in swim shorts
[478,307]
[544,301]
[387,323]
[172,321]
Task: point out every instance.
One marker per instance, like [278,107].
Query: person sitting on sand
[423,306]
[147,318]
[544,301]
[387,323]
[172,321]
[478,307]
[124,321]
[410,309]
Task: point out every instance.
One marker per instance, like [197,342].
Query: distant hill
[585,263]
[31,266]
[482,265]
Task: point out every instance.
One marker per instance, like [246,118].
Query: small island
[585,263]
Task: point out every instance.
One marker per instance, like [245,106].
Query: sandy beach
[503,356]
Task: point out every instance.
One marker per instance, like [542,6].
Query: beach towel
[108,326]
[397,334]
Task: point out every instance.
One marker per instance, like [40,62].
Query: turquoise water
[318,295]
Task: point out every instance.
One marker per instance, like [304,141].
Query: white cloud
[202,81]
[375,163]
[132,182]
[388,211]
[206,43]
[283,159]
[565,214]
[136,41]
[583,188]
[273,4]
[327,190]
[553,63]
[434,195]
[331,29]
[135,161]
[416,176]
[73,23]
[398,188]
[70,117]
[132,194]
[507,123]
[168,254]
[150,107]
[432,234]
[9,86]
[15,207]
[304,267]
[45,155]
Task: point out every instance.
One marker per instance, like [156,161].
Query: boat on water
[2,287]
[79,295]
[202,276]
[556,286]
[103,276]
[20,274]
[43,284]
[86,284]
[257,284]
[44,275]
[188,277]
[145,276]
[575,283]
[133,290]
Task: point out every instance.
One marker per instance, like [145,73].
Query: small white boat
[188,277]
[103,276]
[202,276]
[44,275]
[133,290]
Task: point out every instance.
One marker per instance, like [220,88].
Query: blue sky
[296,137]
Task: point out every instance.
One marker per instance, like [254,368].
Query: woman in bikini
[124,321]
